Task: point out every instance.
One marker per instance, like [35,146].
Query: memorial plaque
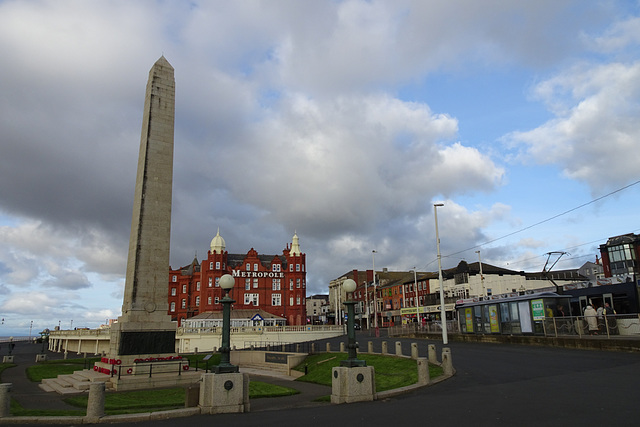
[276,358]
[147,342]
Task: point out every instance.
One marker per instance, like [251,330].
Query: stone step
[61,387]
[45,387]
[78,382]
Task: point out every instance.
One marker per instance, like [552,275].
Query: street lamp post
[443,312]
[481,275]
[375,296]
[349,287]
[415,288]
[225,367]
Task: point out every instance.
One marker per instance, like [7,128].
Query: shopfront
[510,314]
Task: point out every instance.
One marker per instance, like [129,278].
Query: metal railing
[283,347]
[627,325]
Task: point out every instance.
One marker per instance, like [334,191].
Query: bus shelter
[511,314]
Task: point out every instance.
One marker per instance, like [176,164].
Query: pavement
[495,384]
[30,396]
[25,391]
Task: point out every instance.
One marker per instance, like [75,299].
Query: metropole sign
[252,274]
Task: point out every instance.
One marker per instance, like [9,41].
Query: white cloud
[289,116]
[596,127]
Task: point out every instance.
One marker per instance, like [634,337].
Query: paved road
[505,385]
[494,385]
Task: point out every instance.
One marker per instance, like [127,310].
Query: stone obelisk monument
[145,327]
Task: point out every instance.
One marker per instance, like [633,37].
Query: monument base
[136,372]
[224,393]
[349,385]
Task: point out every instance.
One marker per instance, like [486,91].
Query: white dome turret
[217,243]
[295,246]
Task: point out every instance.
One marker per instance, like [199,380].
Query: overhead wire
[547,220]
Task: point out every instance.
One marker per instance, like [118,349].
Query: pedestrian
[592,320]
[561,312]
[600,317]
[611,318]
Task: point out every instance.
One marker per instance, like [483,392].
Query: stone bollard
[370,347]
[297,348]
[328,347]
[384,347]
[313,348]
[423,371]
[432,354]
[398,348]
[95,404]
[41,358]
[342,347]
[447,364]
[192,395]
[414,350]
[283,348]
[5,399]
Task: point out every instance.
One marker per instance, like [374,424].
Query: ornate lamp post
[349,287]
[225,367]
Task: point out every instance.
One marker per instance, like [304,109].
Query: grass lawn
[130,402]
[164,399]
[53,368]
[391,372]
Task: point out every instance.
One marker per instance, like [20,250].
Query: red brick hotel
[273,283]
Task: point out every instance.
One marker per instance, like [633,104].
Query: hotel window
[210,281]
[217,282]
[173,307]
[251,299]
[184,303]
[174,278]
[290,300]
[184,289]
[255,282]
[255,267]
[275,267]
[197,286]
[173,292]
[197,301]
[248,267]
[298,300]
[247,284]
[290,284]
[297,283]
[304,285]
[211,265]
[209,300]
[217,265]
[276,299]
[297,267]
[217,300]
[290,267]
[275,284]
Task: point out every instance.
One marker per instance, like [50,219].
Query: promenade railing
[576,326]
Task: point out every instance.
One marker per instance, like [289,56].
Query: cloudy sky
[342,120]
